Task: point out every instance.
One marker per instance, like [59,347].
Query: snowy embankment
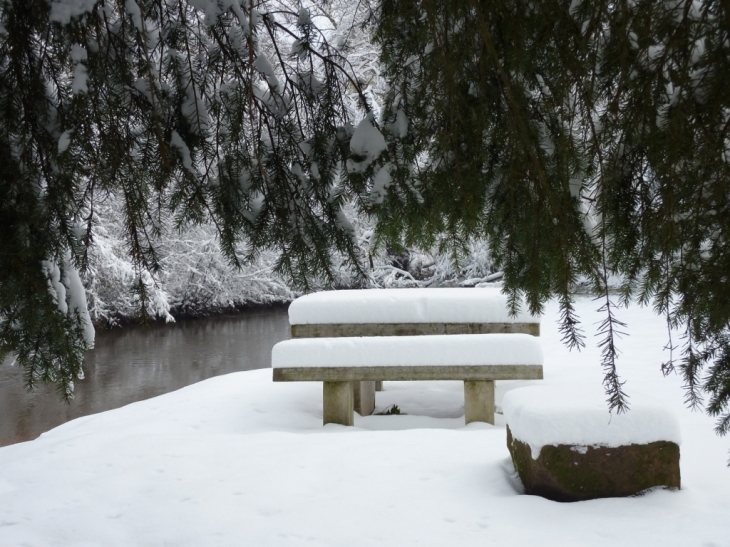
[239,460]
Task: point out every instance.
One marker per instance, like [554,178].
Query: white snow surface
[64,141]
[68,291]
[409,351]
[79,84]
[77,298]
[304,17]
[241,460]
[55,286]
[381,182]
[449,305]
[177,142]
[78,53]
[263,65]
[541,416]
[62,11]
[80,80]
[368,142]
[133,10]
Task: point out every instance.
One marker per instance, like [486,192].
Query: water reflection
[137,363]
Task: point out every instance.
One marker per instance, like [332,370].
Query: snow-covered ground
[239,460]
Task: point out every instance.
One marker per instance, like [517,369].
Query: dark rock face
[569,473]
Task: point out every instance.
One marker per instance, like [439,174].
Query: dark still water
[132,364]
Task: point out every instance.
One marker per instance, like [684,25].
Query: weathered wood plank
[400,373]
[325,330]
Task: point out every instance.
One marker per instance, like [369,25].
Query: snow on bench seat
[541,416]
[487,305]
[408,351]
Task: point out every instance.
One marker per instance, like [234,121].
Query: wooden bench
[342,363]
[404,312]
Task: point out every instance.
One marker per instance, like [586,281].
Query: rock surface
[575,473]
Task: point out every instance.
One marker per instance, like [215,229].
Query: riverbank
[135,363]
[239,460]
[235,310]
[195,280]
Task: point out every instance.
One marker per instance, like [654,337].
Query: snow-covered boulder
[565,445]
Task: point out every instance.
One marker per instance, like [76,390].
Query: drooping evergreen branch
[176,110]
[620,105]
[583,140]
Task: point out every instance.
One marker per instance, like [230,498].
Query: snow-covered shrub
[195,278]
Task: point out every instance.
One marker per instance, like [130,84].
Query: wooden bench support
[379,385]
[479,401]
[338,403]
[341,399]
[418,358]
[364,397]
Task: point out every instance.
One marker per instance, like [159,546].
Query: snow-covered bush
[196,279]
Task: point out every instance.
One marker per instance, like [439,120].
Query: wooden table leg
[338,399]
[479,401]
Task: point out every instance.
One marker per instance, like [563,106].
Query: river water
[137,363]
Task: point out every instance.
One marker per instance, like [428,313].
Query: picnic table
[354,340]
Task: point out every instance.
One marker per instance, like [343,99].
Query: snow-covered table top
[410,351]
[541,415]
[483,305]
